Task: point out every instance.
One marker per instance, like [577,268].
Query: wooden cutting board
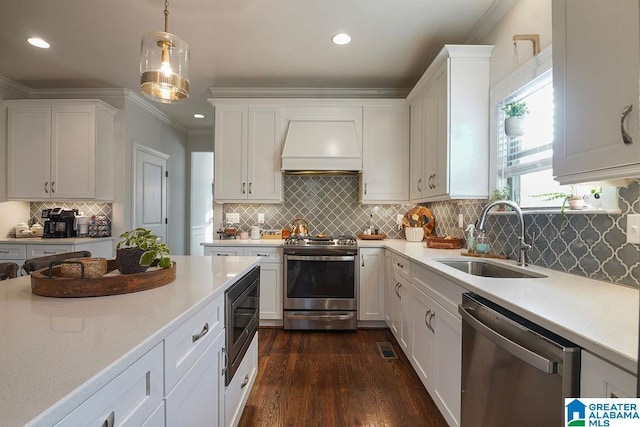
[418,214]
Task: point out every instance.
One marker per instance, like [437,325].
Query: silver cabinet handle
[244,188]
[398,287]
[626,138]
[205,330]
[399,265]
[250,187]
[537,361]
[265,255]
[50,252]
[46,187]
[365,188]
[53,187]
[219,254]
[245,381]
[110,420]
[426,318]
[4,252]
[226,361]
[418,185]
[433,314]
[362,258]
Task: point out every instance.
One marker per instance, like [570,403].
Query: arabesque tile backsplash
[588,245]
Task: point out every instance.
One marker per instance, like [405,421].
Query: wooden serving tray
[372,236]
[112,283]
[444,243]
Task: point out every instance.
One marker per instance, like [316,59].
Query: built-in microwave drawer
[402,265]
[184,346]
[13,252]
[268,255]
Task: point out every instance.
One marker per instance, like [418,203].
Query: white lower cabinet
[196,399]
[599,378]
[237,392]
[399,310]
[270,277]
[371,284]
[128,400]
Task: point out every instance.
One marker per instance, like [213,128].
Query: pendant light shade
[164,65]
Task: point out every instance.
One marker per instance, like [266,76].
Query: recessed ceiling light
[198,116]
[38,42]
[341,38]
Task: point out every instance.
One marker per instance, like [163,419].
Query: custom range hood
[322,147]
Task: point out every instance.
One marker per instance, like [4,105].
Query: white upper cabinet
[596,63]
[450,126]
[60,150]
[385,175]
[247,147]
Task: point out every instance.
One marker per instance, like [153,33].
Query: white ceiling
[235,43]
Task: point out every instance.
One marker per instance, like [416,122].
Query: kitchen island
[56,353]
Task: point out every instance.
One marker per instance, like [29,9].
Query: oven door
[320,282]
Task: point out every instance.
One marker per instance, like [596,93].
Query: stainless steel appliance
[241,319]
[59,222]
[320,276]
[513,371]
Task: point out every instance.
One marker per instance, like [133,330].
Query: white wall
[525,17]
[142,127]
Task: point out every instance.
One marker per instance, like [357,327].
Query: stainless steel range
[320,283]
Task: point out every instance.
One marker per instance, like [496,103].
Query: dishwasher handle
[537,361]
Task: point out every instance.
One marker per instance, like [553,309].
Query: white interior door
[201,208]
[150,193]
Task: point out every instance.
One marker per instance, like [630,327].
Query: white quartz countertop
[52,241]
[598,316]
[56,352]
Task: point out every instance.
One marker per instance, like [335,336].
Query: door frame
[137,147]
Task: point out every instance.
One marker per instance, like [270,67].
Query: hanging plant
[514,122]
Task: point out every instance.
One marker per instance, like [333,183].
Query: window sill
[556,211]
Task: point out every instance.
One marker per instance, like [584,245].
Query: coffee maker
[59,222]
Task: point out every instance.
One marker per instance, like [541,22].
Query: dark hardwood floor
[335,379]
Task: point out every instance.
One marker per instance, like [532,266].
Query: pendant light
[164,65]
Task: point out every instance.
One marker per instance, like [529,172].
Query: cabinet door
[196,399]
[389,287]
[393,301]
[230,147]
[372,280]
[417,181]
[73,138]
[265,133]
[430,129]
[591,38]
[270,291]
[422,337]
[599,378]
[439,150]
[28,152]
[447,369]
[404,291]
[385,174]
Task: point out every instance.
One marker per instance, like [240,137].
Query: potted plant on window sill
[504,194]
[139,249]
[570,200]
[514,122]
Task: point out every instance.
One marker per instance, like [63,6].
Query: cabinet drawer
[187,343]
[237,393]
[444,291]
[223,251]
[34,251]
[402,265]
[269,255]
[13,252]
[129,399]
[601,379]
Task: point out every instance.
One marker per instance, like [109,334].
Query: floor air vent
[386,350]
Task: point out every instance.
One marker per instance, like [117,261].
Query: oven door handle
[342,316]
[320,258]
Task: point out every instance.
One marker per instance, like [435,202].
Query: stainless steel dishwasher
[513,371]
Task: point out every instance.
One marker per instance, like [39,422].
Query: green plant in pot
[504,194]
[139,249]
[514,123]
[570,199]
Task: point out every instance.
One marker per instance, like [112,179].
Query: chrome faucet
[523,246]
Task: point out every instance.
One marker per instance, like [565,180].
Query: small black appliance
[59,222]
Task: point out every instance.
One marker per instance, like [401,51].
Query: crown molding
[280,92]
[153,110]
[489,20]
[16,87]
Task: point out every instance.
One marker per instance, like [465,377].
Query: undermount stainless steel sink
[487,269]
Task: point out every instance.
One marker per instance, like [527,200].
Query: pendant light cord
[166,16]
